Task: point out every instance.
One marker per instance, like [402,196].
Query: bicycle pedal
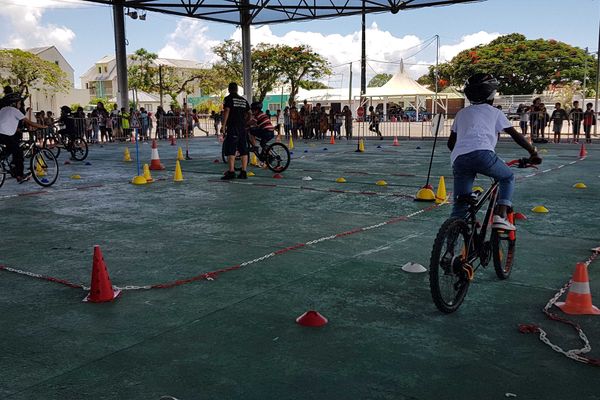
[469,271]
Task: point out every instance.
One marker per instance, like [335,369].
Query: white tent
[400,85]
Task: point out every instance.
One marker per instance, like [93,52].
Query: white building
[101,79]
[43,98]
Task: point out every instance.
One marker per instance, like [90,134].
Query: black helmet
[65,109]
[257,105]
[11,98]
[481,88]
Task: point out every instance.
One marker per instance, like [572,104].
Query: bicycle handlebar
[521,163]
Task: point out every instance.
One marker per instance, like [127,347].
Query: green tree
[142,72]
[298,64]
[523,66]
[379,80]
[230,64]
[310,85]
[30,71]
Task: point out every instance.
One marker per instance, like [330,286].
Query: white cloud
[341,49]
[447,52]
[23,18]
[189,41]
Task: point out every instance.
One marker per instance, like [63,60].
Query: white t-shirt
[9,120]
[477,128]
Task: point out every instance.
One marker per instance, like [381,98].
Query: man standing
[235,116]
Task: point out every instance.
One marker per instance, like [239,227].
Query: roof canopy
[273,11]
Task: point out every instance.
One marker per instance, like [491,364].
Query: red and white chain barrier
[574,354]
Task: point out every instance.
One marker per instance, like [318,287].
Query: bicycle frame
[477,237]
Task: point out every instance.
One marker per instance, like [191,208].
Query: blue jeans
[485,162]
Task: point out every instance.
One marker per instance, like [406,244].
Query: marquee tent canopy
[399,85]
[262,12]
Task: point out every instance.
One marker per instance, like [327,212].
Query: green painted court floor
[232,335]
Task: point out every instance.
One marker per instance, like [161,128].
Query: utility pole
[363,58]
[160,84]
[350,88]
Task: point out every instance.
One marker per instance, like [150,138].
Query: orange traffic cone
[278,139]
[583,151]
[101,289]
[132,138]
[155,164]
[172,138]
[579,298]
[311,318]
[332,140]
[396,143]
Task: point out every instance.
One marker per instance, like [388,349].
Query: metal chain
[574,354]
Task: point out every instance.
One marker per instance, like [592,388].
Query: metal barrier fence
[118,128]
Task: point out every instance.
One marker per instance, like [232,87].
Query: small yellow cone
[539,209]
[291,144]
[39,171]
[253,160]
[580,185]
[441,195]
[361,145]
[139,180]
[381,183]
[477,189]
[341,180]
[75,176]
[543,151]
[127,156]
[425,194]
[178,175]
[180,155]
[250,173]
[147,173]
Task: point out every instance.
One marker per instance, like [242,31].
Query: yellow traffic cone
[147,173]
[39,170]
[291,144]
[253,160]
[180,155]
[178,175]
[127,156]
[361,145]
[441,195]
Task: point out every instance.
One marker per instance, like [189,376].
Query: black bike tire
[49,157]
[503,263]
[435,269]
[56,149]
[73,150]
[2,177]
[287,151]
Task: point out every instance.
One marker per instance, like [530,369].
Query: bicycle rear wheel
[79,149]
[44,167]
[503,252]
[278,157]
[52,143]
[448,280]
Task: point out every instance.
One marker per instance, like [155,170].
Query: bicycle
[42,163]
[275,155]
[461,243]
[77,146]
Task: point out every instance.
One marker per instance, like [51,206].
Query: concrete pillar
[120,53]
[246,50]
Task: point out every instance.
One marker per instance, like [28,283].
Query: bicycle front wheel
[44,167]
[278,157]
[448,270]
[79,149]
[503,251]
[52,143]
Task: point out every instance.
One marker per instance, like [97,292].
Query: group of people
[313,122]
[537,118]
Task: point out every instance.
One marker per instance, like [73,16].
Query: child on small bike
[260,126]
[10,117]
[472,141]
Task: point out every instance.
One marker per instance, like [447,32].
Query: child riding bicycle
[260,126]
[472,141]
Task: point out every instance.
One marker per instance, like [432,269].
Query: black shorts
[236,140]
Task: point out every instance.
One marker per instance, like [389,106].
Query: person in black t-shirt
[236,113]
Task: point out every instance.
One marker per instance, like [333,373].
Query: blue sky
[83,31]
